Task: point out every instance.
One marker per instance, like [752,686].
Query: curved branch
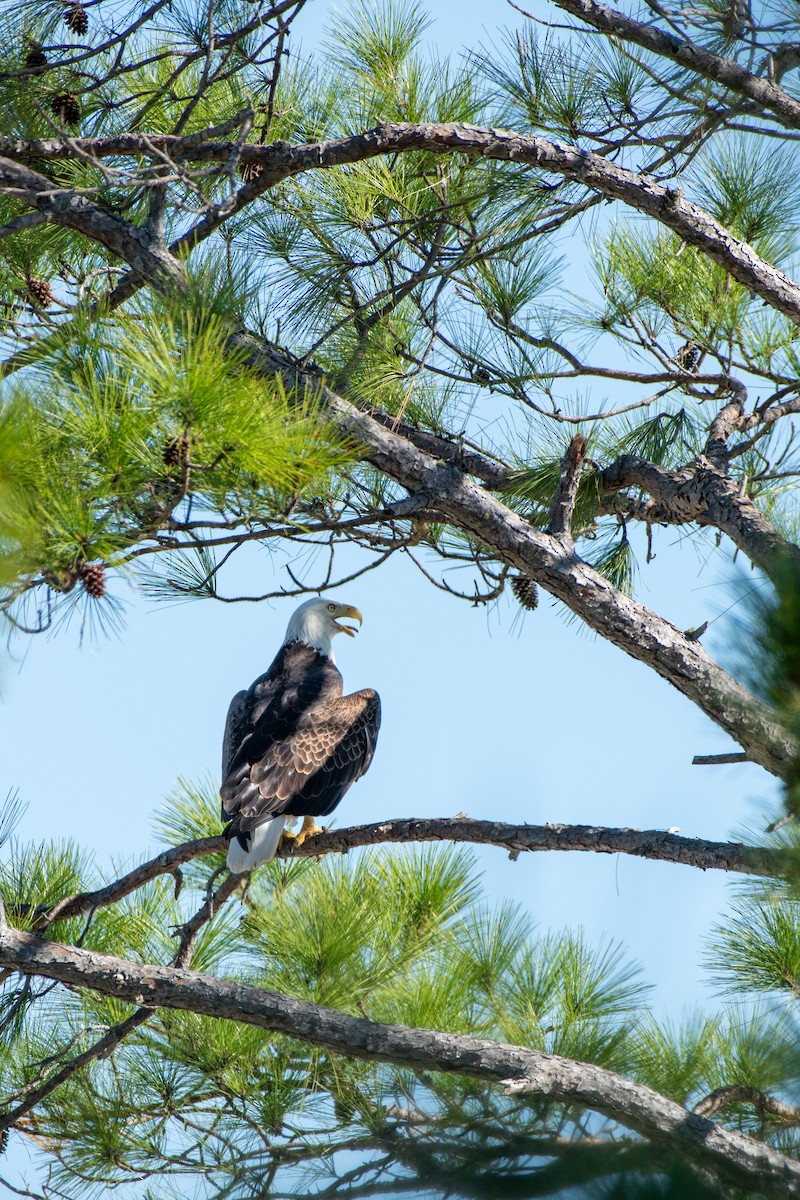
[732,1156]
[721,1097]
[703,494]
[282,160]
[657,844]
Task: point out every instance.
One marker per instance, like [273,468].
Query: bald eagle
[293,743]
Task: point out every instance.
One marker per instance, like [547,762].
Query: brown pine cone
[65,106]
[525,591]
[36,59]
[39,292]
[176,451]
[688,356]
[75,18]
[93,578]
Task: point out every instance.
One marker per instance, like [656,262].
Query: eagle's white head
[318,621]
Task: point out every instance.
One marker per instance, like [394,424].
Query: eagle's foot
[309,829]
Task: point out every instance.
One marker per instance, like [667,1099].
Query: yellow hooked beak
[347,610]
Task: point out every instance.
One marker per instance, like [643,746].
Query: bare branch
[76,212]
[655,844]
[704,494]
[714,760]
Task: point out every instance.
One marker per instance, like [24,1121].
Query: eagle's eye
[331,608]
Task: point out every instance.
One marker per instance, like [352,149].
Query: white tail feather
[263,844]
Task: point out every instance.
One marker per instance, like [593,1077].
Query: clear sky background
[521,720]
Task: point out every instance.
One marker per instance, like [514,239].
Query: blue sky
[535,720]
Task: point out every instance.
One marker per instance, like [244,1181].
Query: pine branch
[703,494]
[722,1097]
[282,161]
[733,1157]
[690,56]
[624,622]
[656,844]
[68,208]
[106,1045]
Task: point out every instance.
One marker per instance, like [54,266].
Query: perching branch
[732,1156]
[656,844]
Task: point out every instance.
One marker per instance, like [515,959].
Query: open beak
[354,614]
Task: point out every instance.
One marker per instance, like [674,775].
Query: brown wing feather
[308,772]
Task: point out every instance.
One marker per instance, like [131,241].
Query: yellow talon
[309,829]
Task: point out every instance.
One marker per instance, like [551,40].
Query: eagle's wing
[308,771]
[234,730]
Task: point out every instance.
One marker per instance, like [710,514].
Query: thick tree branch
[642,634]
[688,55]
[703,494]
[67,208]
[734,1157]
[668,206]
[105,1045]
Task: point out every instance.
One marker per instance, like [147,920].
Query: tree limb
[734,1157]
[105,1045]
[721,1097]
[74,211]
[703,494]
[656,844]
[688,55]
[668,206]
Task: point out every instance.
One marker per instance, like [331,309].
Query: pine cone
[75,18]
[688,356]
[4,1136]
[525,591]
[65,106]
[36,59]
[250,171]
[93,578]
[39,292]
[176,451]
